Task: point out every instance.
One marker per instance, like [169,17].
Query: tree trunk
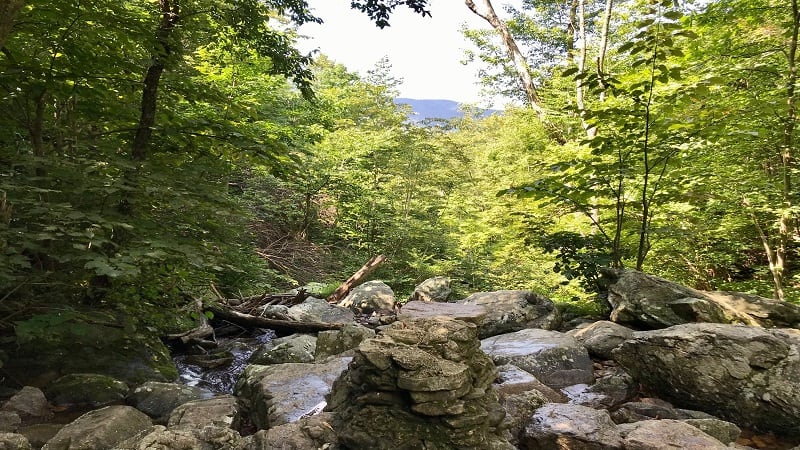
[280,326]
[787,160]
[520,64]
[8,15]
[170,15]
[356,278]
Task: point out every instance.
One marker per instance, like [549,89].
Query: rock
[218,411]
[313,432]
[667,434]
[284,393]
[519,408]
[514,310]
[157,399]
[29,403]
[12,441]
[637,411]
[436,289]
[512,380]
[554,358]
[337,342]
[208,437]
[747,375]
[89,389]
[419,310]
[574,427]
[601,337]
[296,348]
[720,430]
[38,434]
[609,391]
[9,421]
[421,383]
[90,342]
[318,310]
[646,301]
[100,429]
[369,297]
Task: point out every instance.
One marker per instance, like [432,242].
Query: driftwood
[280,326]
[197,335]
[356,278]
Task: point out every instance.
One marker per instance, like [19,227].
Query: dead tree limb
[280,326]
[356,278]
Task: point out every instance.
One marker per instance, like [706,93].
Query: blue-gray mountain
[437,109]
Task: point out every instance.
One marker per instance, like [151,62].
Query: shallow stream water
[218,369]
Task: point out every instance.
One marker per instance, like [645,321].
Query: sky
[425,52]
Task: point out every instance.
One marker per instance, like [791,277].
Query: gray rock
[284,393]
[667,434]
[337,342]
[218,412]
[12,441]
[208,437]
[313,432]
[38,434]
[519,408]
[28,403]
[420,310]
[372,296]
[514,310]
[512,380]
[90,389]
[575,427]
[9,421]
[158,400]
[647,301]
[720,430]
[601,337]
[436,289]
[318,310]
[296,348]
[554,358]
[100,429]
[609,391]
[747,375]
[654,409]
[421,383]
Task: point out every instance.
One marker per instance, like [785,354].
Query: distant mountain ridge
[436,109]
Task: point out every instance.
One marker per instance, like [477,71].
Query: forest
[154,151]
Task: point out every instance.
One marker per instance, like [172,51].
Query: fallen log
[356,278]
[280,326]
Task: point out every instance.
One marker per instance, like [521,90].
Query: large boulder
[369,297]
[100,429]
[64,342]
[317,310]
[421,383]
[208,437]
[29,403]
[219,411]
[89,389]
[747,375]
[513,311]
[575,427]
[436,289]
[296,348]
[284,393]
[601,337]
[159,399]
[12,441]
[313,432]
[647,301]
[667,434]
[554,358]
[419,310]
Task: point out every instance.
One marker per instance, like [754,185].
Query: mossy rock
[86,389]
[98,342]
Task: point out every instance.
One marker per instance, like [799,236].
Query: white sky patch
[425,52]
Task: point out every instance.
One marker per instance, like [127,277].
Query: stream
[218,369]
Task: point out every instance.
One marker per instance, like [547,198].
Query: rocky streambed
[676,368]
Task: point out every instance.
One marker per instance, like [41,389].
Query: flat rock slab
[420,310]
